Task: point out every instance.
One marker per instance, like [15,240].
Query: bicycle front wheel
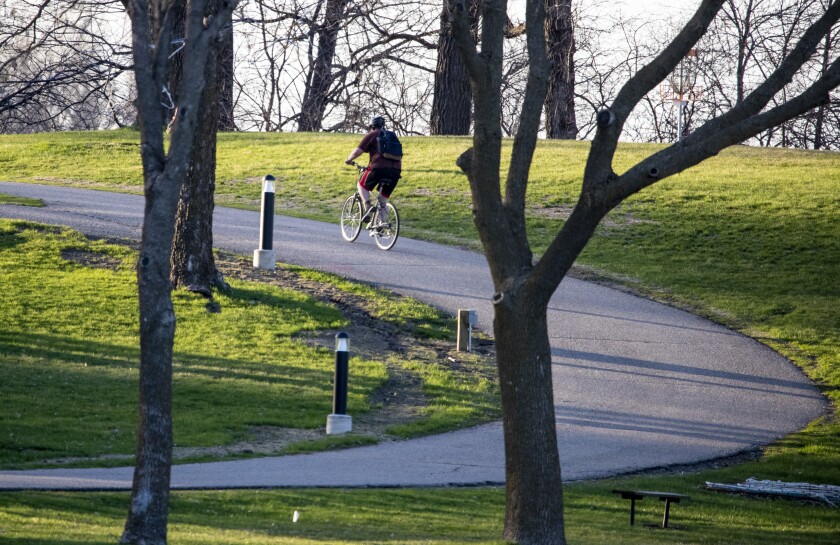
[351,218]
[386,232]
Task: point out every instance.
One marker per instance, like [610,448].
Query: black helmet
[377,122]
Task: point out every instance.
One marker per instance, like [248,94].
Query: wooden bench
[667,497]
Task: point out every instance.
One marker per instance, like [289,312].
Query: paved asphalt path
[636,384]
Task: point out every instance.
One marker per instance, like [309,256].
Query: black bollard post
[342,357]
[264,257]
[267,207]
[339,421]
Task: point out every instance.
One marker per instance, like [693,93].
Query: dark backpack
[388,145]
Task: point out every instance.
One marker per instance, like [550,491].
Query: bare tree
[164,172]
[533,492]
[818,128]
[265,82]
[743,46]
[289,77]
[60,66]
[601,61]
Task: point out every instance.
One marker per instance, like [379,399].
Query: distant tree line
[330,65]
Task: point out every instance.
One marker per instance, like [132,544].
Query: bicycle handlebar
[361,168]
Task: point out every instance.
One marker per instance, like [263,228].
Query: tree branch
[461,30]
[529,118]
[611,122]
[603,189]
[742,121]
[150,116]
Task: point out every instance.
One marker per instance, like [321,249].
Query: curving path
[637,384]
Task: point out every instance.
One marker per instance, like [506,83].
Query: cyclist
[381,171]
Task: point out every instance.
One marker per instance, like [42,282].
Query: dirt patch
[613,220]
[425,192]
[400,400]
[91,259]
[263,440]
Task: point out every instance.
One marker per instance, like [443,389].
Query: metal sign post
[680,88]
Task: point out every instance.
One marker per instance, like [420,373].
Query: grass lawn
[451,516]
[20,201]
[69,385]
[750,239]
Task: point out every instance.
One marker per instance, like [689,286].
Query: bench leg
[632,511]
[667,511]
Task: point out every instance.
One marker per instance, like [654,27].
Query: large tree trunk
[193,266]
[452,100]
[533,491]
[560,120]
[320,77]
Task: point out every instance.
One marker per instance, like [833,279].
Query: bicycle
[384,228]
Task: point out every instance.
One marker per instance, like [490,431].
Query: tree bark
[560,120]
[164,172]
[533,500]
[149,510]
[227,122]
[192,263]
[321,77]
[533,493]
[452,99]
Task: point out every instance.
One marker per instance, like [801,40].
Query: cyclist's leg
[366,183]
[390,177]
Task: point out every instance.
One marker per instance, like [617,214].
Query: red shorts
[385,178]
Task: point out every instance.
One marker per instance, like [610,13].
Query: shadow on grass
[64,350]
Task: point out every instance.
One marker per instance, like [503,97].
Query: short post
[264,257]
[466,320]
[339,421]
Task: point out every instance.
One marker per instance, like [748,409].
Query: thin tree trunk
[822,110]
[193,264]
[225,85]
[164,172]
[148,514]
[321,76]
[560,120]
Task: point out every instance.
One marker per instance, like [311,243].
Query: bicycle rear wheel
[385,233]
[351,218]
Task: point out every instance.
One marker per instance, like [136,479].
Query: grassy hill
[750,239]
